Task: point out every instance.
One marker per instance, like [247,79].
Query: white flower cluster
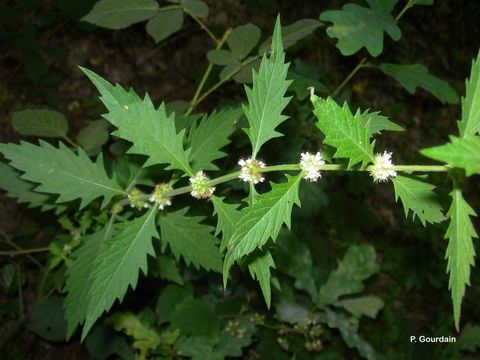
[250,171]
[159,196]
[310,164]
[200,188]
[382,168]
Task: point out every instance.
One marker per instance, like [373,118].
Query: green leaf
[376,123]
[470,123]
[195,7]
[460,251]
[42,123]
[210,136]
[119,14]
[417,75]
[168,269]
[422,2]
[460,152]
[469,338]
[144,337]
[61,171]
[78,282]
[259,265]
[266,98]
[293,33]
[293,258]
[358,264]
[117,267]
[384,6]
[171,296]
[221,57]
[94,135]
[356,26]
[47,319]
[151,131]
[262,221]
[228,216]
[195,317]
[243,39]
[190,239]
[22,190]
[164,24]
[365,305]
[343,131]
[419,197]
[349,330]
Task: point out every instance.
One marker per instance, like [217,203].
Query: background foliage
[371,272]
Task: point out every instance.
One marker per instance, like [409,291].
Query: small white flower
[250,171]
[310,164]
[67,249]
[382,167]
[159,196]
[200,188]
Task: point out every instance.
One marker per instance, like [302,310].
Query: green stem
[193,102]
[225,79]
[70,141]
[404,10]
[203,26]
[296,167]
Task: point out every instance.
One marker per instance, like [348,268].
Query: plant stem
[296,167]
[70,141]
[193,102]
[404,10]
[24,252]
[349,76]
[225,79]
[203,26]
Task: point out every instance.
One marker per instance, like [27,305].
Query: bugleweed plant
[139,211]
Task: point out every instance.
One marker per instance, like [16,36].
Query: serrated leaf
[343,131]
[349,331]
[151,131]
[117,267]
[358,264]
[376,123]
[78,282]
[262,220]
[356,26]
[460,252]
[419,197]
[60,171]
[365,305]
[119,14]
[243,39]
[168,269]
[42,123]
[210,136]
[259,265]
[417,75]
[94,135]
[470,123]
[22,190]
[266,98]
[165,23]
[190,239]
[469,338]
[228,216]
[171,296]
[195,7]
[221,57]
[459,152]
[293,33]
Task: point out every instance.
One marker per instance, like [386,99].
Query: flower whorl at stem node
[159,198]
[134,198]
[382,168]
[200,188]
[310,164]
[250,171]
